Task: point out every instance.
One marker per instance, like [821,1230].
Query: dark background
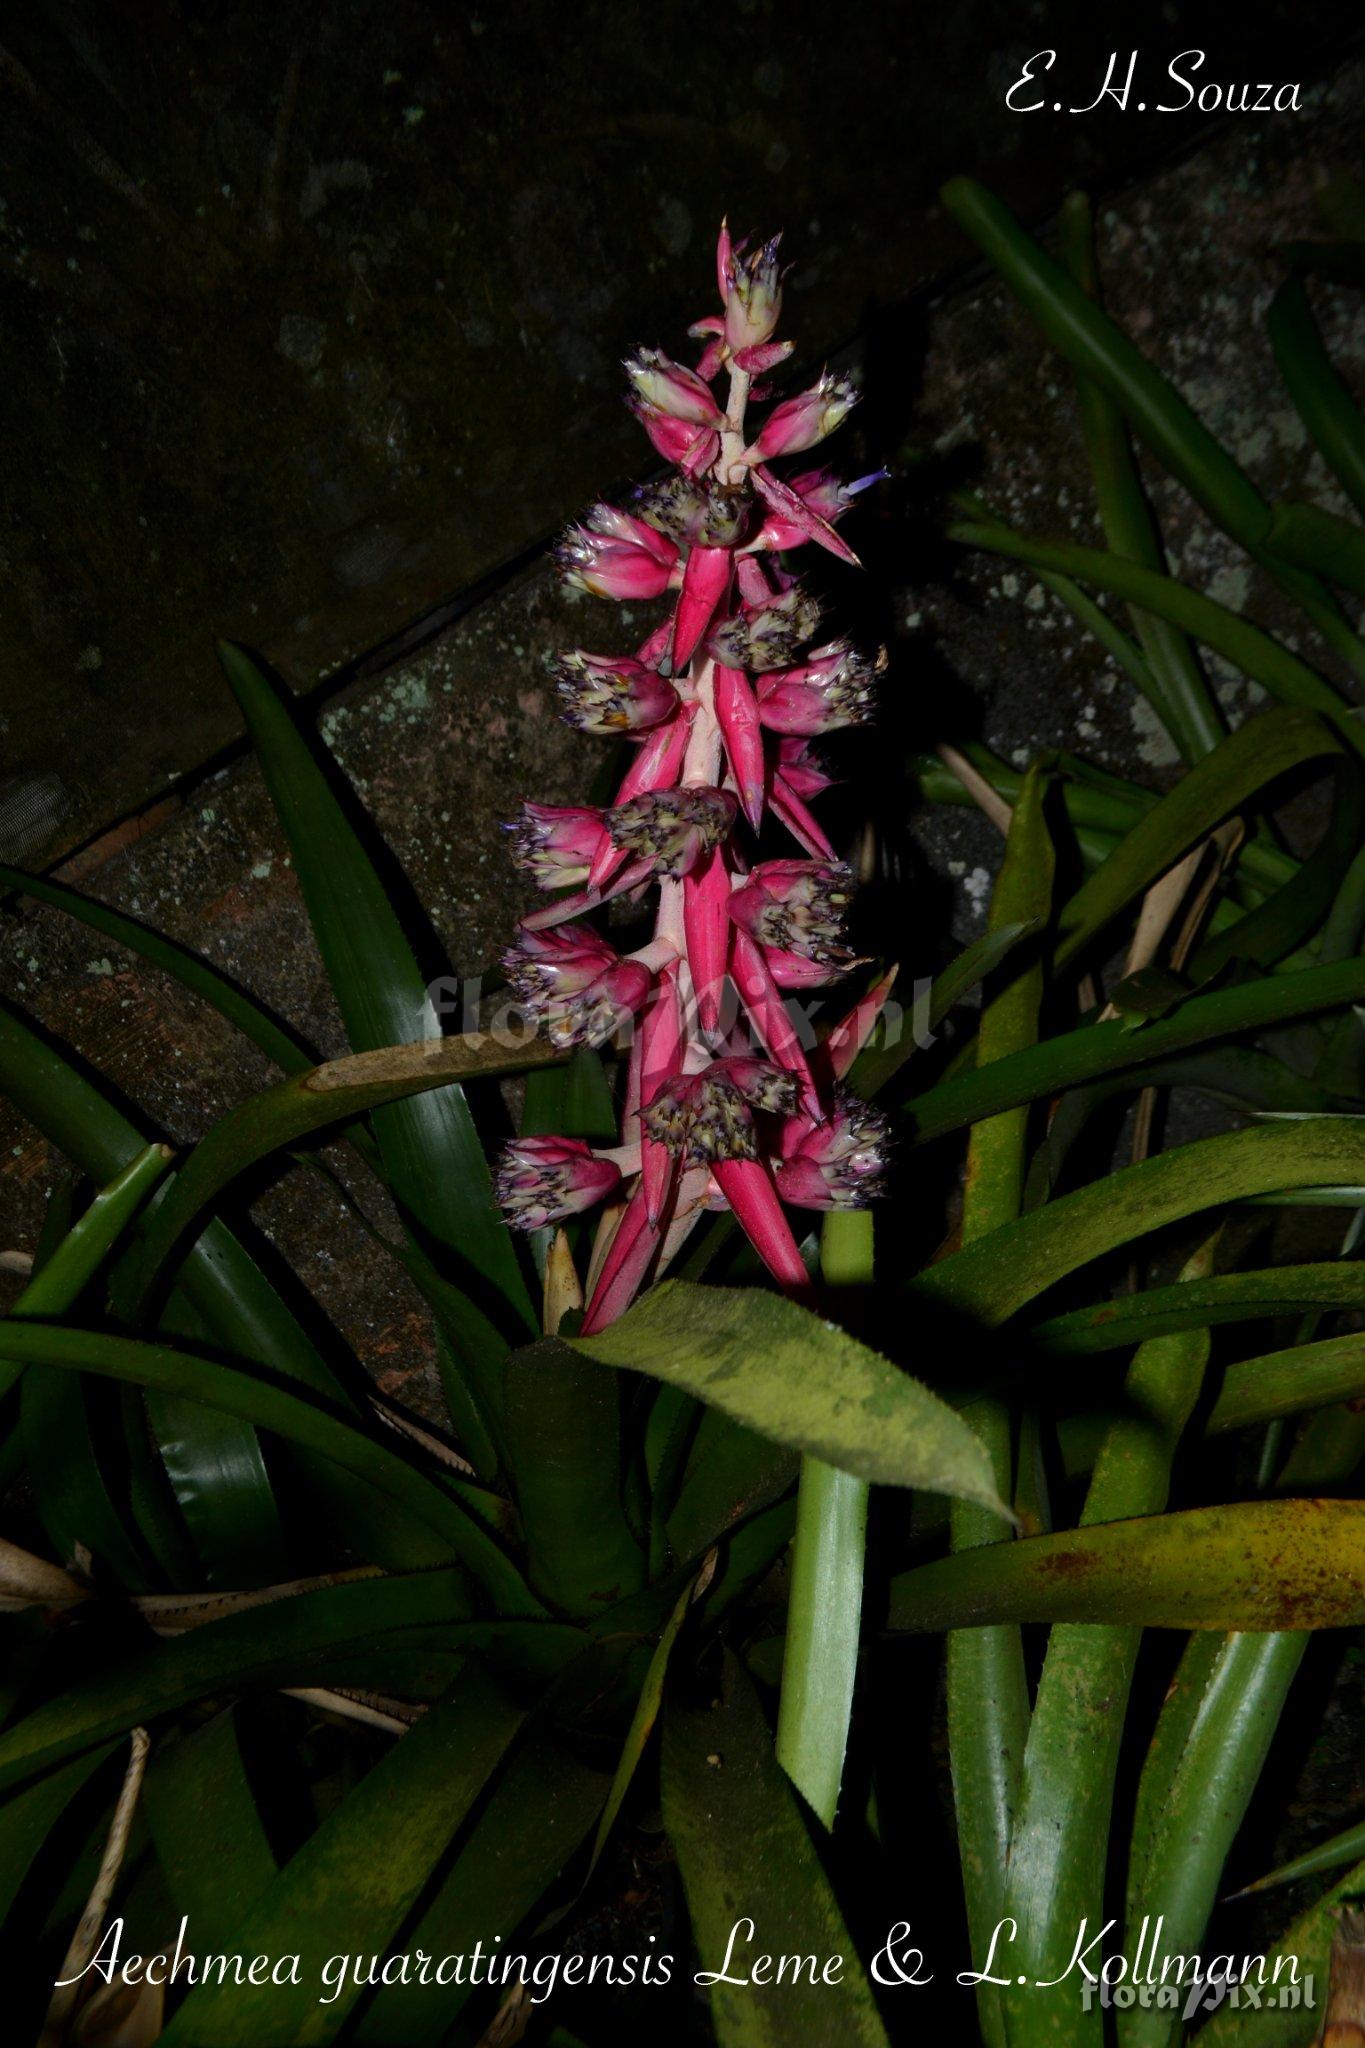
[310,313]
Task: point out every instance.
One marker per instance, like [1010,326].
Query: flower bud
[673,828]
[547,1180]
[555,844]
[800,767]
[798,423]
[752,290]
[611,693]
[575,984]
[834,688]
[838,1164]
[671,388]
[692,449]
[798,907]
[614,555]
[767,636]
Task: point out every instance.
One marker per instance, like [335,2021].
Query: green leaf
[1059,1845]
[563,1431]
[29,1818]
[285,1641]
[348,1889]
[1309,1941]
[732,1473]
[745,1856]
[1256,1390]
[77,1497]
[782,1371]
[432,1152]
[240,1309]
[1210,1745]
[1296,910]
[208,1835]
[1285,1564]
[995,1277]
[1092,344]
[1181,699]
[1215,1730]
[274,1039]
[1265,661]
[1223,1298]
[876,1066]
[1336,546]
[643,1720]
[1072,1058]
[1154,409]
[1216,788]
[63,1277]
[1320,398]
[538,1813]
[276,1404]
[70,1489]
[1346,1847]
[304,1103]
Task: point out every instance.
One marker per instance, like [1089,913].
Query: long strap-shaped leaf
[1214,1734]
[1154,409]
[1182,699]
[1283,1564]
[29,1818]
[564,1437]
[273,1403]
[1320,398]
[1306,533]
[540,1809]
[307,1102]
[1074,1057]
[222,1467]
[217,1471]
[281,1643]
[432,1151]
[73,1500]
[1223,1298]
[348,1890]
[1262,659]
[199,976]
[746,1859]
[998,1275]
[1059,1846]
[1216,788]
[210,1841]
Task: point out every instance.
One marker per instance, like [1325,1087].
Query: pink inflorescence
[725,1107]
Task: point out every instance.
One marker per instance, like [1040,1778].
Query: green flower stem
[820,1661]
[988,1705]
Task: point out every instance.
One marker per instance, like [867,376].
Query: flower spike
[723,1106]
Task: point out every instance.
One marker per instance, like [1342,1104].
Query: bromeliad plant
[327,1684]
